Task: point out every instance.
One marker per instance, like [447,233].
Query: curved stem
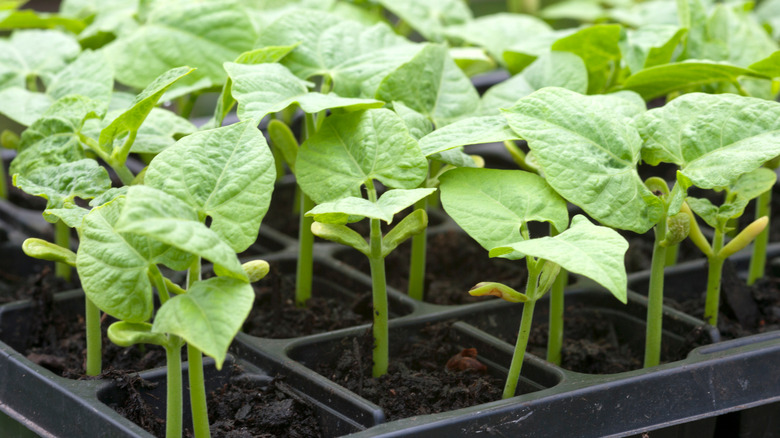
[417,260]
[655,298]
[758,257]
[94,338]
[173,415]
[714,275]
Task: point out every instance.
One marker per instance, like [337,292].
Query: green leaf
[491,205]
[61,184]
[34,53]
[263,89]
[429,17]
[663,79]
[54,139]
[353,148]
[373,51]
[472,130]
[226,101]
[130,120]
[90,75]
[597,45]
[748,187]
[155,214]
[418,125]
[159,131]
[29,19]
[390,203]
[585,249]
[472,61]
[588,152]
[713,138]
[553,69]
[113,267]
[125,334]
[414,223]
[202,35]
[284,140]
[650,45]
[496,32]
[433,85]
[524,51]
[23,106]
[225,173]
[208,316]
[769,66]
[707,211]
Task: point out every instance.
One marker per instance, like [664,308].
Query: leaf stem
[381,353]
[758,257]
[94,338]
[655,297]
[417,259]
[305,268]
[672,253]
[62,238]
[159,283]
[174,401]
[185,104]
[714,275]
[200,415]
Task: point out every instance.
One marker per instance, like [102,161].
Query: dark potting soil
[594,344]
[418,381]
[244,407]
[455,263]
[275,315]
[744,310]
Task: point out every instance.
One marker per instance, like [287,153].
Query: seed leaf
[390,203]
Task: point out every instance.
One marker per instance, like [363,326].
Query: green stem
[555,329]
[655,298]
[62,238]
[173,416]
[200,417]
[200,414]
[758,258]
[305,267]
[94,338]
[522,342]
[124,174]
[671,254]
[186,103]
[159,283]
[417,260]
[381,354]
[3,184]
[714,275]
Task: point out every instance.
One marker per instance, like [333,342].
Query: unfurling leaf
[499,290]
[678,227]
[41,249]
[549,273]
[256,270]
[341,234]
[414,223]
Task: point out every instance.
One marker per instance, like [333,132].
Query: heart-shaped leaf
[225,173]
[208,316]
[491,205]
[353,148]
[588,153]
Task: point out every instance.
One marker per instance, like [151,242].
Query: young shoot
[495,206]
[350,152]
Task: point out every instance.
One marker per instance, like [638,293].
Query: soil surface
[419,381]
[275,315]
[744,310]
[455,263]
[594,344]
[244,407]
